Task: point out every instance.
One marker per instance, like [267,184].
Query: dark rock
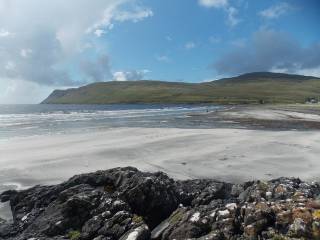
[126,204]
[198,192]
[148,193]
[7,195]
[139,233]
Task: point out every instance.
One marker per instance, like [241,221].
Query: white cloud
[10,66]
[213,3]
[190,45]
[114,13]
[232,19]
[137,15]
[46,42]
[276,11]
[119,76]
[130,75]
[5,33]
[13,91]
[99,32]
[315,72]
[25,53]
[310,72]
[57,35]
[168,38]
[145,71]
[163,58]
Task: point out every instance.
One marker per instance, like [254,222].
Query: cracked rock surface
[127,204]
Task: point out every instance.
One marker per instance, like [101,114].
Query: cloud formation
[213,3]
[130,75]
[97,69]
[232,19]
[276,11]
[40,41]
[33,57]
[21,91]
[269,50]
[163,58]
[190,45]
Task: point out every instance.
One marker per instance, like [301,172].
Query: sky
[58,44]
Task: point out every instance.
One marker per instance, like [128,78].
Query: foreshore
[227,154]
[246,147]
[302,117]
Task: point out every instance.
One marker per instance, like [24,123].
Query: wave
[61,118]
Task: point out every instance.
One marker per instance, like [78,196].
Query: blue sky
[57,44]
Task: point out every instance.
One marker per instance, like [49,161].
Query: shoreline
[297,117]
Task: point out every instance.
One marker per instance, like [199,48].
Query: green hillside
[247,88]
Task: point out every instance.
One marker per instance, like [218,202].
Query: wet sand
[225,154]
[302,117]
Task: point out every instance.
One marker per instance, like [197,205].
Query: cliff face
[126,204]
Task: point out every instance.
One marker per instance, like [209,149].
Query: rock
[257,217]
[126,204]
[7,195]
[200,192]
[203,222]
[147,193]
[316,230]
[164,229]
[283,219]
[298,229]
[139,233]
[8,230]
[302,213]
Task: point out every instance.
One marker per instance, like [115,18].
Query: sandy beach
[225,154]
[243,143]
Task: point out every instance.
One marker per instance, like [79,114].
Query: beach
[233,144]
[225,154]
[242,144]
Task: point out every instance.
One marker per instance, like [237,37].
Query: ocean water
[38,119]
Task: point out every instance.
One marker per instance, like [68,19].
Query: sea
[37,119]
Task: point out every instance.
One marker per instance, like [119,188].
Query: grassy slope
[243,89]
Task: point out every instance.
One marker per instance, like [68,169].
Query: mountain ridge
[246,88]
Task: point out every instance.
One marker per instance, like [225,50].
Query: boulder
[126,204]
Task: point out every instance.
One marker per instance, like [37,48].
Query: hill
[247,88]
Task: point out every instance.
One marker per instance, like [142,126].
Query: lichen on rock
[126,204]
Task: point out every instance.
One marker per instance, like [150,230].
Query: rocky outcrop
[126,204]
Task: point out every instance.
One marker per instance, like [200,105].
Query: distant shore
[269,117]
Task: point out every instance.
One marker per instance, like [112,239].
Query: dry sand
[225,154]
